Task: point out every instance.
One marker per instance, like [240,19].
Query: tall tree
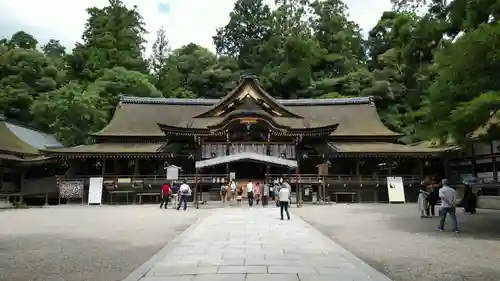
[23,40]
[54,49]
[113,37]
[158,61]
[466,93]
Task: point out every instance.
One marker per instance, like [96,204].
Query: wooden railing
[146,180]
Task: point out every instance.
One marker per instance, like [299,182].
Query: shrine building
[252,136]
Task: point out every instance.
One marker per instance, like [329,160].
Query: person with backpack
[185,192]
[165,195]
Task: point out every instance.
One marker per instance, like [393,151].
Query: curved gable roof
[136,116]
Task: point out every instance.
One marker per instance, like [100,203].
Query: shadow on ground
[397,242]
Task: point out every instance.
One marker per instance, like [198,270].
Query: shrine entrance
[248,170]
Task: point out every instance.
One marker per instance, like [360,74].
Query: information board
[95,191]
[172,173]
[396,190]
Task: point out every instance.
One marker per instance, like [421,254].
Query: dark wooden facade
[148,134]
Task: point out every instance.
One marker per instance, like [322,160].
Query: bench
[353,195]
[119,192]
[140,195]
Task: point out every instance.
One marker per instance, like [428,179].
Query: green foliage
[432,63]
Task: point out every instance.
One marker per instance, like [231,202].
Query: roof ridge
[201,101]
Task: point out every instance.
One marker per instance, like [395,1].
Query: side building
[252,136]
[24,171]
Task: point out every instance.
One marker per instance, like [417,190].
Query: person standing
[165,195]
[250,193]
[469,201]
[432,198]
[265,194]
[448,205]
[239,194]
[256,193]
[185,192]
[422,199]
[284,198]
[233,190]
[223,193]
[174,191]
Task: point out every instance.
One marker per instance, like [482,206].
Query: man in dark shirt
[433,198]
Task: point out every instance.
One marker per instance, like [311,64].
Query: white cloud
[188,20]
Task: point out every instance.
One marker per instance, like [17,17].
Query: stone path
[250,244]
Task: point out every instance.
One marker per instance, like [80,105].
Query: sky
[186,21]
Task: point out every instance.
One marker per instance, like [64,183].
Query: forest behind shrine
[433,63]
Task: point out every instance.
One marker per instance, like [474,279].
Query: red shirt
[165,189]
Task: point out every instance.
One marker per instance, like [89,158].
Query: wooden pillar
[21,185]
[1,175]
[421,168]
[473,160]
[493,162]
[72,167]
[357,166]
[116,170]
[137,167]
[389,166]
[445,166]
[103,166]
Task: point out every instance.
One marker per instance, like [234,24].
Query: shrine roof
[136,116]
[20,140]
[385,148]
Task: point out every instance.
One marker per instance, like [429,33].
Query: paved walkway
[250,244]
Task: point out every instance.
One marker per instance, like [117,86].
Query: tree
[70,113]
[24,75]
[113,37]
[54,49]
[23,40]
[465,95]
[120,81]
[158,61]
[248,27]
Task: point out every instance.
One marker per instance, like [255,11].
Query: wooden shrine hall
[250,134]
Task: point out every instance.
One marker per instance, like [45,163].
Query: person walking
[165,195]
[284,198]
[448,206]
[250,193]
[256,193]
[185,192]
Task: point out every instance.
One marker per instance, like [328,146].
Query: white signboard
[95,191]
[232,176]
[396,190]
[172,173]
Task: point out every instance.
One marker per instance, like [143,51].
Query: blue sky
[185,21]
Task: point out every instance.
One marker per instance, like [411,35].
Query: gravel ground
[73,243]
[396,241]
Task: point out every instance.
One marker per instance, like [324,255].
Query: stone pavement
[253,244]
